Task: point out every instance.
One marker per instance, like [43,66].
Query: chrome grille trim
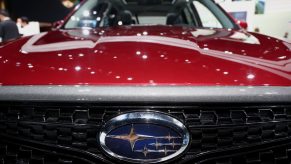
[146,94]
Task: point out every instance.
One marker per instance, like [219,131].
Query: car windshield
[105,13]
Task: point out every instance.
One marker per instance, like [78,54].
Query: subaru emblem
[144,137]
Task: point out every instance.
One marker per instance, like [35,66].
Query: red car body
[146,55]
[145,93]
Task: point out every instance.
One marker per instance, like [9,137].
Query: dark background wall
[37,10]
[1,4]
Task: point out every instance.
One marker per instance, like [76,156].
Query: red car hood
[151,55]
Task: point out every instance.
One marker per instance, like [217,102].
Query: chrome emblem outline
[148,117]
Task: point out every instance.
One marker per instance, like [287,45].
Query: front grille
[221,133]
[12,153]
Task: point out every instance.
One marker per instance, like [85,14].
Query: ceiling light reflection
[144,56]
[251,76]
[78,68]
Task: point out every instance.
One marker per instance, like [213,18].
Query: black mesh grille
[66,127]
[14,154]
[278,152]
[215,129]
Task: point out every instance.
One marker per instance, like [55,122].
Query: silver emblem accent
[148,137]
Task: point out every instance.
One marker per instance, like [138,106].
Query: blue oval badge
[144,137]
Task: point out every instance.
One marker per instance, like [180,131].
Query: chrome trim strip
[145,94]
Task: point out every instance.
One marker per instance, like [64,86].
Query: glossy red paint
[146,55]
[242,24]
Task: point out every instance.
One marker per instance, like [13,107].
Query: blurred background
[271,17]
[43,11]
